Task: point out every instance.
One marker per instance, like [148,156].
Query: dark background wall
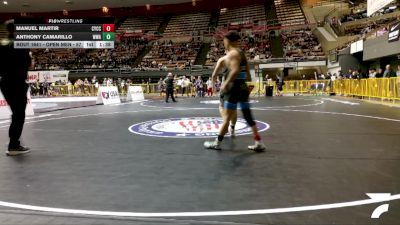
[353,62]
[380,47]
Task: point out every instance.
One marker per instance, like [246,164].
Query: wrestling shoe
[216,145]
[257,147]
[17,151]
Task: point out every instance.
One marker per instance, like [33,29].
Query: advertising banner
[5,111]
[49,76]
[108,95]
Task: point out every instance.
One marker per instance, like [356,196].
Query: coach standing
[14,65]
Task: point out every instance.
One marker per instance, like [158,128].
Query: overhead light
[69,2]
[104,9]
[5,2]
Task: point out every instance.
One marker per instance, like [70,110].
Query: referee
[169,83]
[14,65]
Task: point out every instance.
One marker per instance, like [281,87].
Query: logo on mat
[191,127]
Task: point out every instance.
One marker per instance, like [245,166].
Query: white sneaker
[257,147]
[216,145]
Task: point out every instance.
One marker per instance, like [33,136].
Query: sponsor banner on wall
[135,93]
[375,5]
[49,76]
[108,95]
[5,111]
[394,32]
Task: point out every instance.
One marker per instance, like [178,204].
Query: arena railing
[375,88]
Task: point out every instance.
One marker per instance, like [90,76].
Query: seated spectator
[301,44]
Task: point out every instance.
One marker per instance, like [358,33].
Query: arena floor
[144,163]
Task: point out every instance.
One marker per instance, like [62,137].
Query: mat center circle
[194,127]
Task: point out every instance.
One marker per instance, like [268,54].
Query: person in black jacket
[169,84]
[14,64]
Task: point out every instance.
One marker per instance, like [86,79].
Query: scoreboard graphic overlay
[95,33]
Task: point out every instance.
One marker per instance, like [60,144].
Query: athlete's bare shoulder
[222,59]
[233,54]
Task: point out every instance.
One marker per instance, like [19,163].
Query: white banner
[108,95]
[49,76]
[375,5]
[135,93]
[5,111]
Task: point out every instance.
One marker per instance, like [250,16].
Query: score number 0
[108,27]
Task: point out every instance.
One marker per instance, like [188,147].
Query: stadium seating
[3,32]
[140,25]
[122,56]
[364,28]
[301,44]
[361,13]
[168,55]
[289,12]
[179,54]
[255,46]
[330,2]
[254,14]
[188,24]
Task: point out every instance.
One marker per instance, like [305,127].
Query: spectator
[371,73]
[279,84]
[45,87]
[193,86]
[36,88]
[94,80]
[199,87]
[300,44]
[379,74]
[334,77]
[349,75]
[388,72]
[209,87]
[161,86]
[398,71]
[184,85]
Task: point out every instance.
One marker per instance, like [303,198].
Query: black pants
[15,95]
[170,91]
[183,90]
[45,91]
